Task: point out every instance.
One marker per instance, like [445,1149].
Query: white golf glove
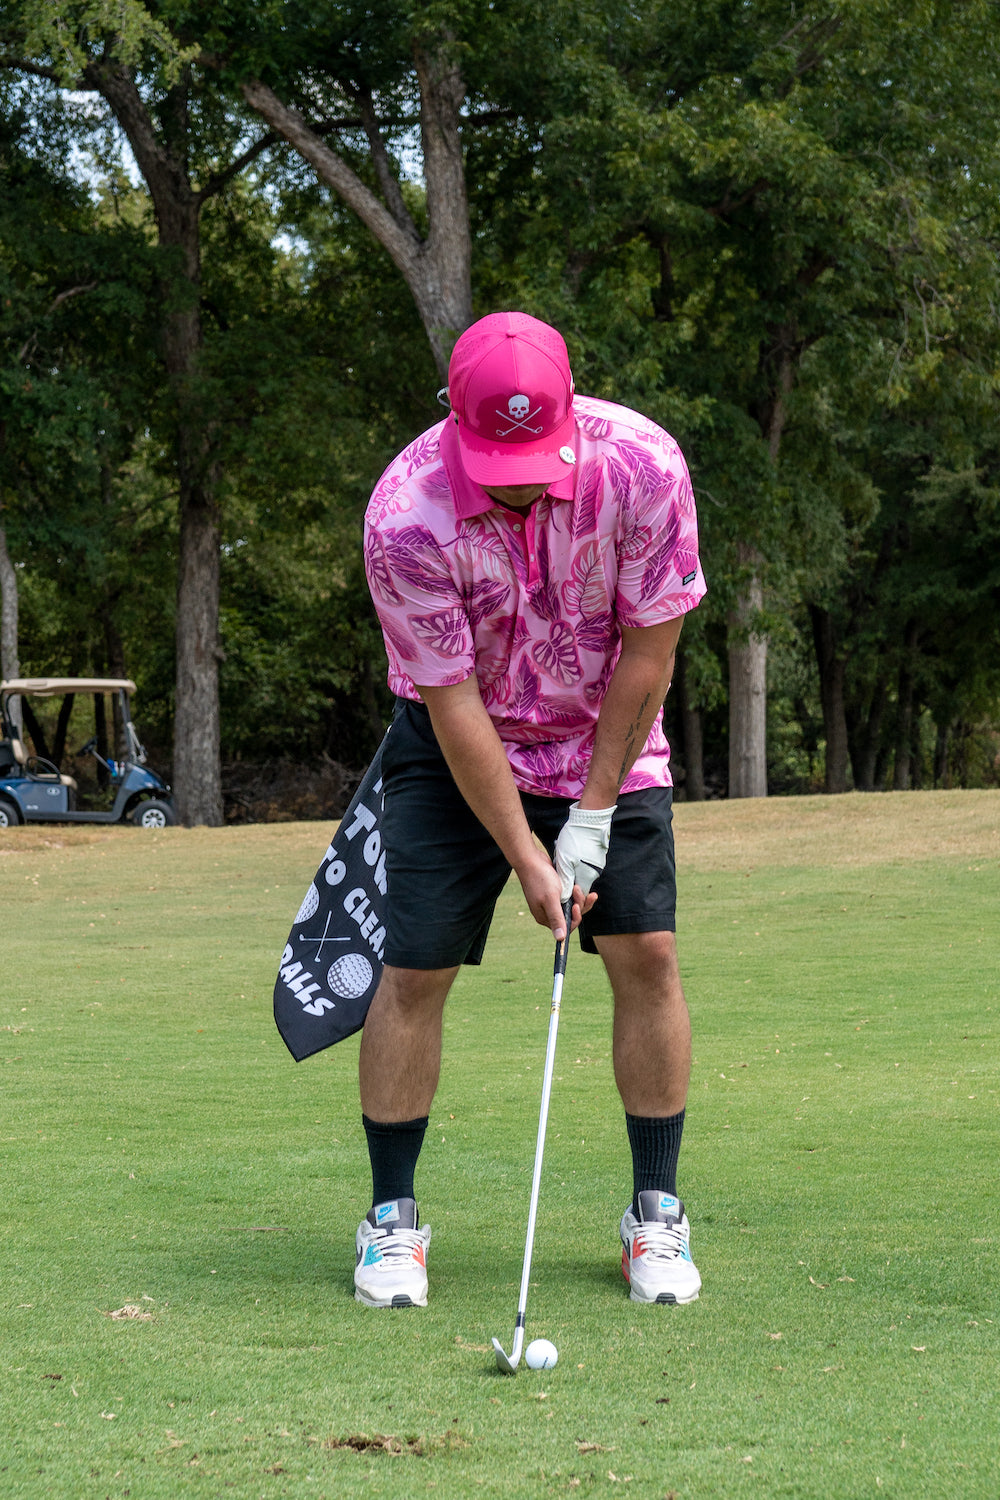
[582,847]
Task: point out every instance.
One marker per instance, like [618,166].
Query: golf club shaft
[543,1112]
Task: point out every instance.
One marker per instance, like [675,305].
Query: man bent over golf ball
[531,558]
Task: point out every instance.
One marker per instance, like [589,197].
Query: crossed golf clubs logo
[518,412]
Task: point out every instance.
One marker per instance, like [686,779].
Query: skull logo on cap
[520,414]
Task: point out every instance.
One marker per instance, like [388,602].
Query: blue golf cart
[105,781]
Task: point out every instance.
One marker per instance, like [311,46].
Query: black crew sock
[656,1145]
[393,1149]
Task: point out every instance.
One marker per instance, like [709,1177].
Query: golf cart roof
[50,687]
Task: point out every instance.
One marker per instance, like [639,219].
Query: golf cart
[106,780]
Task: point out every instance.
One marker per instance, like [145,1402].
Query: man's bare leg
[652,1058]
[652,1028]
[400,1060]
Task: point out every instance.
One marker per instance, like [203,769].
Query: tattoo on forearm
[630,737]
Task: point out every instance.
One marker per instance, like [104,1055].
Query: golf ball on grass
[541,1354]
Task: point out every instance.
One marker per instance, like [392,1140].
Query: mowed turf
[180,1199]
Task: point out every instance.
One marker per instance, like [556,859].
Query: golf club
[509,1364]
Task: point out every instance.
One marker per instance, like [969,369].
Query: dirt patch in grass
[378,1442]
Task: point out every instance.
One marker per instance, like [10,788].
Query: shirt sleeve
[659,571]
[425,625]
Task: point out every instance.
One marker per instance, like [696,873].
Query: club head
[508,1366]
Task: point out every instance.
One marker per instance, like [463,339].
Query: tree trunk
[197,768]
[832,671]
[691,736]
[164,164]
[197,763]
[865,737]
[10,666]
[903,768]
[942,757]
[438,269]
[9,660]
[747,694]
[747,648]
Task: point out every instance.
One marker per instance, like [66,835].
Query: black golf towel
[332,962]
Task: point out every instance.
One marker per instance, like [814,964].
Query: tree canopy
[234,258]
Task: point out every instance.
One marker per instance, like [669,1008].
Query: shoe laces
[398,1244]
[661,1241]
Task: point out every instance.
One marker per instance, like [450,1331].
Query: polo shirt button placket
[529,528]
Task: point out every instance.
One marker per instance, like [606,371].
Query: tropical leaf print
[595,427]
[557,656]
[484,599]
[594,691]
[544,593]
[685,563]
[422,451]
[620,478]
[598,634]
[493,659]
[524,693]
[396,640]
[438,491]
[446,632]
[628,615]
[636,539]
[562,713]
[495,693]
[377,570]
[414,555]
[544,763]
[544,598]
[586,592]
[636,780]
[389,499]
[646,467]
[660,564]
[587,498]
[480,555]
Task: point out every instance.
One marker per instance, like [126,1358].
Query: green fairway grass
[166,1161]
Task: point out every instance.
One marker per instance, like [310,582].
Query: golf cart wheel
[153,814]
[9,815]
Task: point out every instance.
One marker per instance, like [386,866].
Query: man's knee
[414,990]
[646,959]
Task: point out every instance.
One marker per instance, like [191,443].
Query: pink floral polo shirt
[532,601]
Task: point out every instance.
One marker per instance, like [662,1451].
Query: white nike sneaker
[656,1254]
[391,1268]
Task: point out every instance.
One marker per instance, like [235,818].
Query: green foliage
[755,224]
[771,227]
[64,31]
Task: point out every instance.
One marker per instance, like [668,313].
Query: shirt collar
[469,498]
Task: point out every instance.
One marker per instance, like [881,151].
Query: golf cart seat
[50,773]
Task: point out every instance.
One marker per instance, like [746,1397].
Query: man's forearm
[478,762]
[637,688]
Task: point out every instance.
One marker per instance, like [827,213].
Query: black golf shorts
[445,872]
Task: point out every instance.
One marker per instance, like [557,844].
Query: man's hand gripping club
[582,847]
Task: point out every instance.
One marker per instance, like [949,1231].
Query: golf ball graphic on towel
[310,904]
[541,1354]
[350,975]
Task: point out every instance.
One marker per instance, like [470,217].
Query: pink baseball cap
[511,390]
